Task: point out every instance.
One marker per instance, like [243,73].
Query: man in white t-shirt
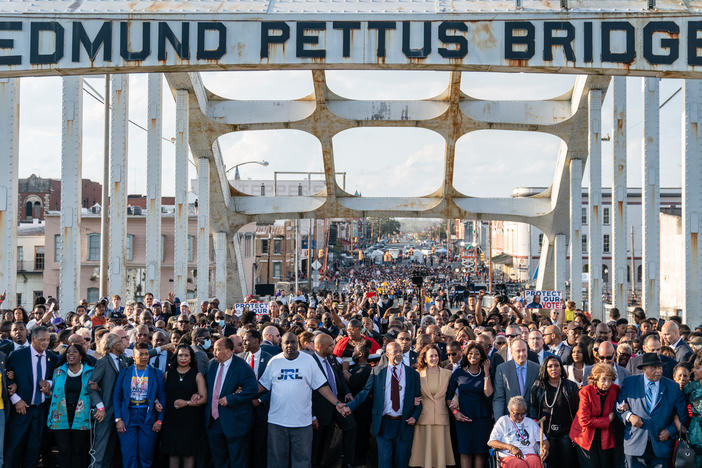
[291,377]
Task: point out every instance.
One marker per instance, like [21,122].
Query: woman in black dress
[183,422]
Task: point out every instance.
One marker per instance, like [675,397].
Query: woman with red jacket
[592,429]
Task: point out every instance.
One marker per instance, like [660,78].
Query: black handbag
[683,454]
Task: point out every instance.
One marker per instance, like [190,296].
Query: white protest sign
[257,307]
[543,299]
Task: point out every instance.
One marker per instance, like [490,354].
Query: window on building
[93,295]
[191,247]
[264,246]
[130,247]
[541,241]
[37,294]
[277,269]
[584,243]
[247,245]
[605,274]
[263,190]
[212,249]
[628,274]
[28,210]
[163,247]
[639,273]
[20,258]
[299,189]
[586,268]
[58,247]
[605,243]
[277,246]
[605,215]
[19,299]
[583,216]
[39,258]
[94,246]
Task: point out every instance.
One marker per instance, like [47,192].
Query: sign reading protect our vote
[543,299]
[258,308]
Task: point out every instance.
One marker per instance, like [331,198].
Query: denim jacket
[58,413]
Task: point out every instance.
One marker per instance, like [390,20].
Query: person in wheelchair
[518,440]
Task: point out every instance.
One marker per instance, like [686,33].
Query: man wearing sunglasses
[604,352]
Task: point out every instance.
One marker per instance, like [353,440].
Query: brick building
[38,195]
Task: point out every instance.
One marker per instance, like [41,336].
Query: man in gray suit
[200,338]
[514,377]
[102,384]
[605,353]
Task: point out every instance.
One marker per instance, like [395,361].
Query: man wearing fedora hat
[647,404]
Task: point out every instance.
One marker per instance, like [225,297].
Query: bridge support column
[544,280]
[221,266]
[9,161]
[594,201]
[692,200]
[650,202]
[119,132]
[559,262]
[619,195]
[576,245]
[203,229]
[71,189]
[180,259]
[153,187]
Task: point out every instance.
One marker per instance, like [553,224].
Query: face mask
[206,344]
[221,323]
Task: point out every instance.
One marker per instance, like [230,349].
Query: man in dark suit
[513,378]
[257,359]
[162,357]
[325,413]
[651,343]
[5,396]
[454,357]
[32,369]
[553,339]
[271,340]
[231,385]
[513,332]
[394,388]
[670,334]
[652,401]
[102,385]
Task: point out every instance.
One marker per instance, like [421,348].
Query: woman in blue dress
[471,382]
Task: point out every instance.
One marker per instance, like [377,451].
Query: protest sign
[258,308]
[543,299]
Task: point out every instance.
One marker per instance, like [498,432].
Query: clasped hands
[636,421]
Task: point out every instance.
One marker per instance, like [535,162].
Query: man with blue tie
[513,378]
[32,369]
[647,404]
[161,356]
[394,388]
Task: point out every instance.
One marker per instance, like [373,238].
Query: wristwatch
[117,420]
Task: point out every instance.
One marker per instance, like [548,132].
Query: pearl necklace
[76,374]
[472,374]
[555,397]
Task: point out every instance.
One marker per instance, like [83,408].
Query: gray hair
[516,402]
[110,340]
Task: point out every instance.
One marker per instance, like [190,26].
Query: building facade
[38,195]
[31,261]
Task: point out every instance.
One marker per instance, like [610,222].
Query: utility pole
[489,257]
[297,248]
[104,209]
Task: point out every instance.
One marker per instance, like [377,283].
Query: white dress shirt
[20,346]
[115,361]
[33,354]
[388,386]
[162,360]
[257,360]
[406,358]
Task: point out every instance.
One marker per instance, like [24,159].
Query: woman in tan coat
[432,440]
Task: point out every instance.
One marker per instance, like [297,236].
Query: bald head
[605,352]
[323,344]
[670,333]
[272,334]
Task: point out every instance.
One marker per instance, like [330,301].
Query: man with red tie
[394,389]
[231,384]
[257,359]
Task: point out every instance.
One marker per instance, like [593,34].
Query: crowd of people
[382,372]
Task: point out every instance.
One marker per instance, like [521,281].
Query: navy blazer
[376,386]
[670,400]
[237,417]
[156,391]
[20,362]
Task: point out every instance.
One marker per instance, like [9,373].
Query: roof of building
[31,229]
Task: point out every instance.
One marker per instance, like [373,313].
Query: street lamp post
[236,166]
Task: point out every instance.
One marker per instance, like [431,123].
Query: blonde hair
[600,369]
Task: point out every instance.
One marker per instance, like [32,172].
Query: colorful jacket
[58,414]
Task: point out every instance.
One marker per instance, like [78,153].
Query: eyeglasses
[521,413]
[512,336]
[607,358]
[452,354]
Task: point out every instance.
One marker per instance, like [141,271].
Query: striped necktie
[649,396]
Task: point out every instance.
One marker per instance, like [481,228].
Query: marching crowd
[381,372]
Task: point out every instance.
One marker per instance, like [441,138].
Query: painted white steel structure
[595,38]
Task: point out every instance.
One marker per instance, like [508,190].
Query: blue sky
[378,162]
